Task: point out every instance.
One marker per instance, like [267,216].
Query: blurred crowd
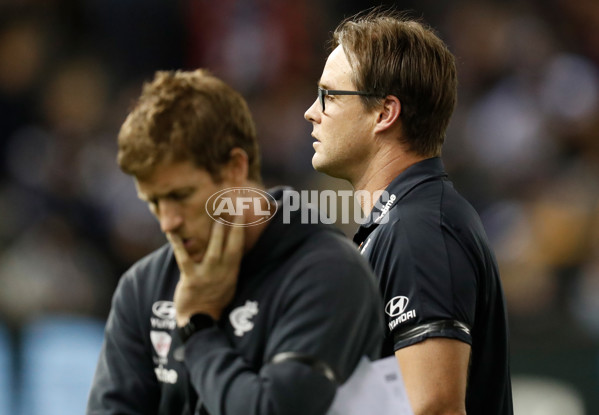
[523,145]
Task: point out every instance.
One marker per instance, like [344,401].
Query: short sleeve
[426,278]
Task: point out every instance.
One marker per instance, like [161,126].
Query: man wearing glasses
[385,98]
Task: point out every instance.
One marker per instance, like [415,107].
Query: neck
[382,169]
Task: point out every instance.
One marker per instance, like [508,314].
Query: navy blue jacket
[306,309]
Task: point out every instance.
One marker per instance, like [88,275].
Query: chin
[318,164]
[326,168]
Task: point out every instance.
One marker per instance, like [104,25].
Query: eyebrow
[322,85]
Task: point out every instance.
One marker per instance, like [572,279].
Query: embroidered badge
[240,317]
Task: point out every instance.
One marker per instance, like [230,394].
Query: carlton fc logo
[397,305]
[240,317]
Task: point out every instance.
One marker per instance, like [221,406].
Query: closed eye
[175,196]
[180,195]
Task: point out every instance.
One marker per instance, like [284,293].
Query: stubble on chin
[327,168]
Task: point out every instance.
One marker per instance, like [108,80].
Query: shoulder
[152,264]
[149,272]
[415,230]
[332,247]
[328,259]
[146,282]
[431,205]
[327,273]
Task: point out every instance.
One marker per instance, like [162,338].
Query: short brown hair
[187,115]
[393,55]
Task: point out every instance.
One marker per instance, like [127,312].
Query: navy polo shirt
[439,278]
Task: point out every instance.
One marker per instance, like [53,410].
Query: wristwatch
[197,322]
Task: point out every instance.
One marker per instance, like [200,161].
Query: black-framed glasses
[323,92]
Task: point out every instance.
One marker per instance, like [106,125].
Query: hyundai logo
[164,309]
[397,305]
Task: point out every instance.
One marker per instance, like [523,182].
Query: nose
[169,216]
[312,113]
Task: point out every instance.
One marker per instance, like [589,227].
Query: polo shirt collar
[407,180]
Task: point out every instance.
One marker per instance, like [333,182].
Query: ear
[236,169]
[389,114]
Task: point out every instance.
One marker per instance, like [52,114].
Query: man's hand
[208,287]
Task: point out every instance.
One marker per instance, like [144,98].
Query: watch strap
[197,322]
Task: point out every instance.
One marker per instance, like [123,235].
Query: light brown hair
[393,55]
[187,115]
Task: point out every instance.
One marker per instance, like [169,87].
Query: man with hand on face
[385,98]
[226,320]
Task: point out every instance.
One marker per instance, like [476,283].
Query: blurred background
[523,147]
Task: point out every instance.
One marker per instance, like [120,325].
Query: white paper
[374,388]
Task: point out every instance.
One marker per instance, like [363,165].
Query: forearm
[434,408]
[227,385]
